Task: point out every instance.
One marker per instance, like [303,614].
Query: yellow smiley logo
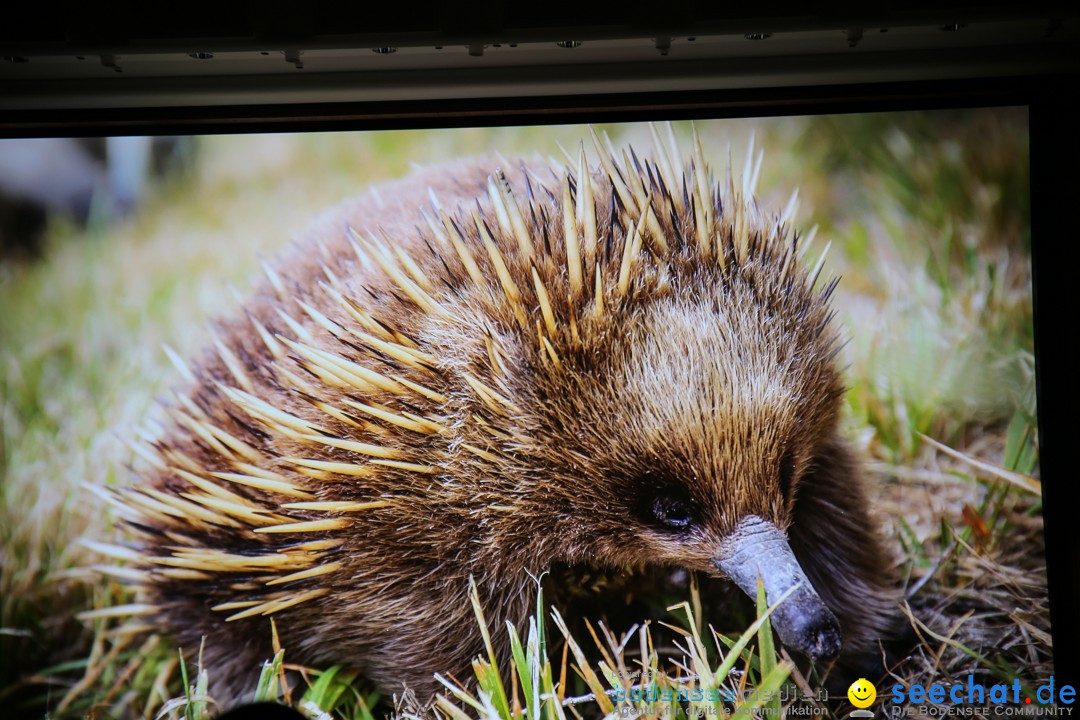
[862,693]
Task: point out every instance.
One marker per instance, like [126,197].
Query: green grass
[928,219]
[724,682]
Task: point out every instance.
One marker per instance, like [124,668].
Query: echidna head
[690,430]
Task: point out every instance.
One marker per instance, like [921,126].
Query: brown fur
[705,377]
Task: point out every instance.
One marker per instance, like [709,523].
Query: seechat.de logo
[1004,698]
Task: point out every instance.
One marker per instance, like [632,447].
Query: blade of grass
[587,673]
[524,672]
[491,674]
[1028,484]
[766,651]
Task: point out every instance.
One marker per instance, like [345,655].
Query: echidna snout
[757,549]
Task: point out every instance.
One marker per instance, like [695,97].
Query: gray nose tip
[820,636]
[804,623]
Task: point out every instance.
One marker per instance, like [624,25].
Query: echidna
[472,374]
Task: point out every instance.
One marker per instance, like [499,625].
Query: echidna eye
[787,474]
[671,512]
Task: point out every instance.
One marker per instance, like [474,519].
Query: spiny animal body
[477,375]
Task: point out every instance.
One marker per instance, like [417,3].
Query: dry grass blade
[1024,482]
[584,667]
